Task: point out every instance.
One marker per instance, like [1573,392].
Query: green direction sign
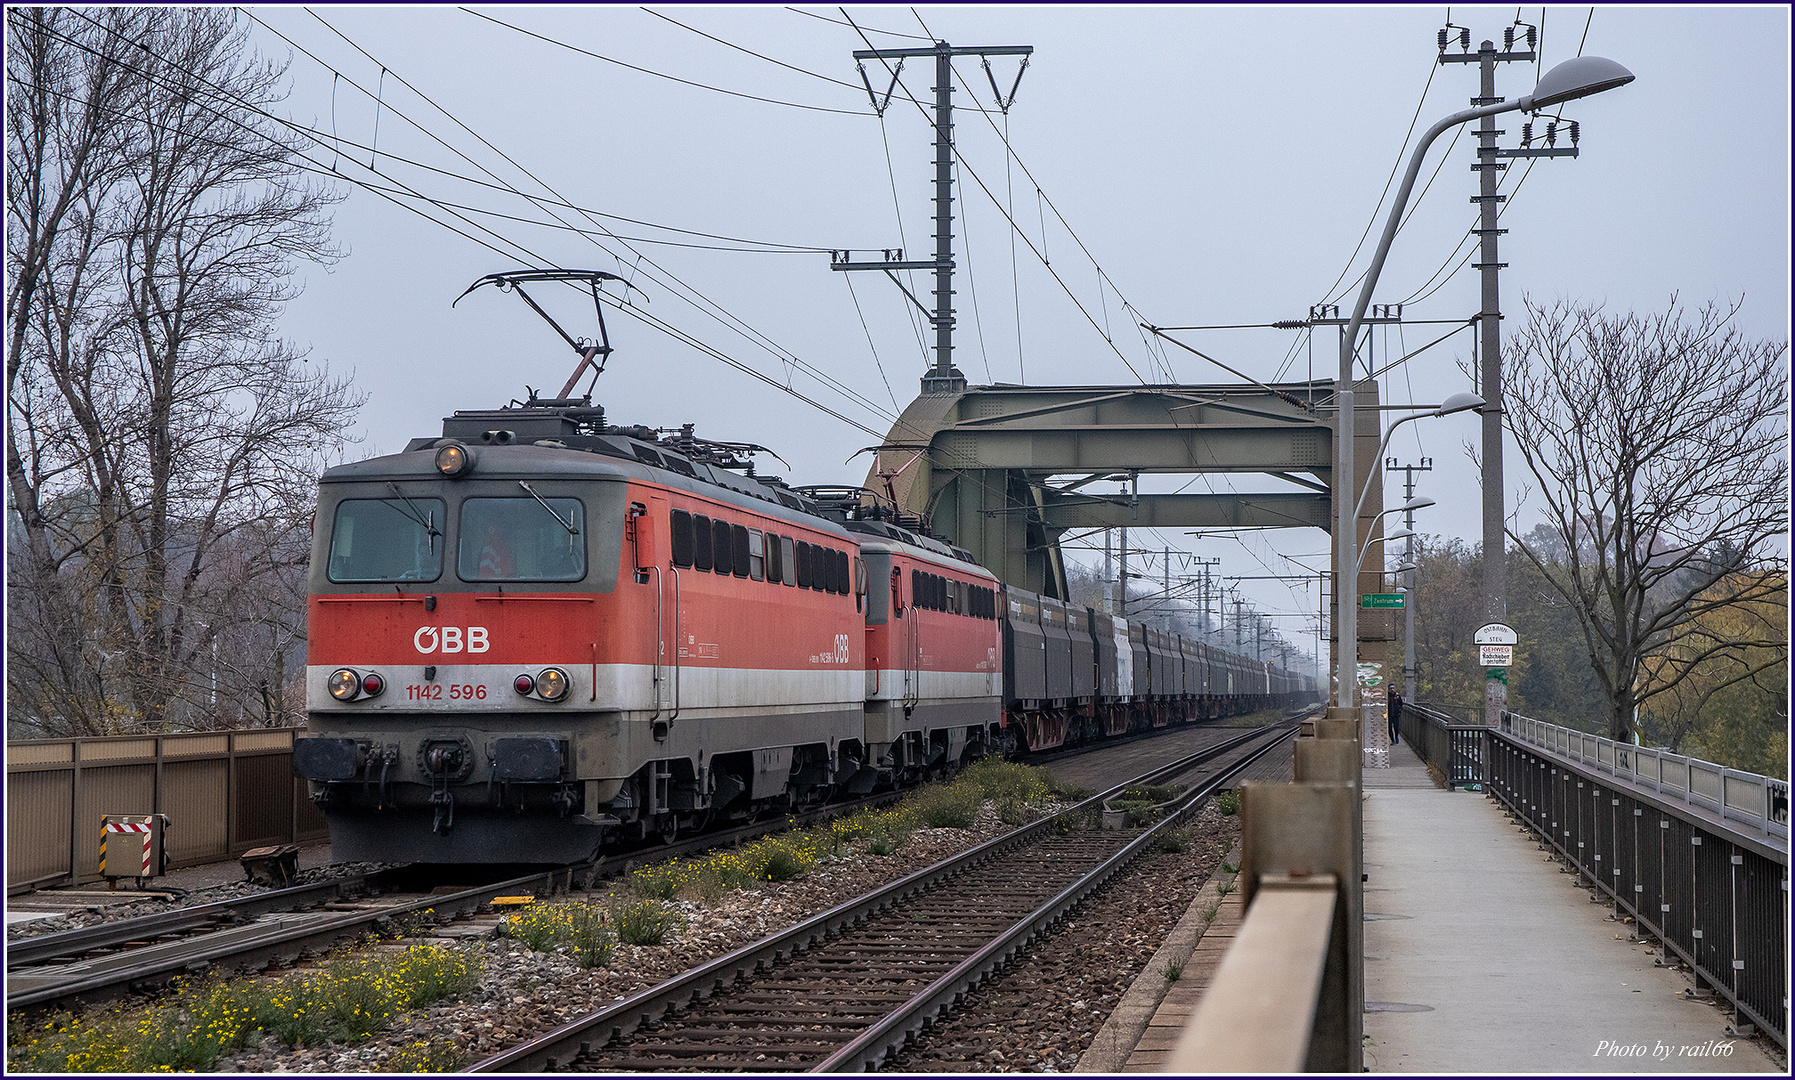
[1380,600]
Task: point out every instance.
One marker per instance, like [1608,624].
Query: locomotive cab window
[387,540]
[522,539]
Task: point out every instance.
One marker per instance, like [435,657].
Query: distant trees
[162,440]
[1659,449]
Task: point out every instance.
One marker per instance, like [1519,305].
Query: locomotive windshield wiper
[424,518]
[568,525]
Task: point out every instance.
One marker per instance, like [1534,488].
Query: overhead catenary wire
[751,52]
[672,281]
[519,252]
[661,74]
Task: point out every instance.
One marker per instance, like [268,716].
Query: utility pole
[1107,568]
[1166,591]
[1208,621]
[1408,559]
[1122,549]
[943,377]
[1489,201]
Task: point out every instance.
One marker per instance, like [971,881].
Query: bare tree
[162,440]
[1659,444]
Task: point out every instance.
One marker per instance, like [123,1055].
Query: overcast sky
[1218,165]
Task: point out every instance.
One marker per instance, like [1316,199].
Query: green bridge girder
[978,465]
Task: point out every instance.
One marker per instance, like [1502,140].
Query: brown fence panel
[224,793]
[194,798]
[259,819]
[109,789]
[38,825]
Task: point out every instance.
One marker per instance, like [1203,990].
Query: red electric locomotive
[541,633]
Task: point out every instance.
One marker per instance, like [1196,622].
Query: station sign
[1495,645]
[1381,600]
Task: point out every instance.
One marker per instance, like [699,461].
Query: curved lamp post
[1570,80]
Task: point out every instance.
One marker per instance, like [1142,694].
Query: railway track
[843,990]
[143,954]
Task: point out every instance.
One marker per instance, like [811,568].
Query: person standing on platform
[1395,713]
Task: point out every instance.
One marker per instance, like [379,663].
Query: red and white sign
[1496,655]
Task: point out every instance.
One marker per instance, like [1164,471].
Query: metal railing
[1696,853]
[1758,802]
[1457,749]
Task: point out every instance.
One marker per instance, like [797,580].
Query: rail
[1456,749]
[559,1047]
[1697,854]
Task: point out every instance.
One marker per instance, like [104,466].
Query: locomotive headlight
[372,684]
[552,684]
[344,684]
[454,460]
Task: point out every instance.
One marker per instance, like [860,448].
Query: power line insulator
[1532,37]
[1552,133]
[1508,38]
[1576,132]
[1464,37]
[1527,134]
[1442,39]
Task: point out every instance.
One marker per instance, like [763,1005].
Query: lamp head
[1417,503]
[1575,78]
[1459,402]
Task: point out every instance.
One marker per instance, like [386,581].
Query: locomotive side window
[387,540]
[802,562]
[681,522]
[521,540]
[738,542]
[701,542]
[723,551]
[757,555]
[788,560]
[844,583]
[775,561]
[918,594]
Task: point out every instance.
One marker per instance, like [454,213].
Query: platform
[1480,956]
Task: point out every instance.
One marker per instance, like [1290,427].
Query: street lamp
[1576,78]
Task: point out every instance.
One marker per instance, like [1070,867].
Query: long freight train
[540,634]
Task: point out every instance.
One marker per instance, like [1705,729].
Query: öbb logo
[450,639]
